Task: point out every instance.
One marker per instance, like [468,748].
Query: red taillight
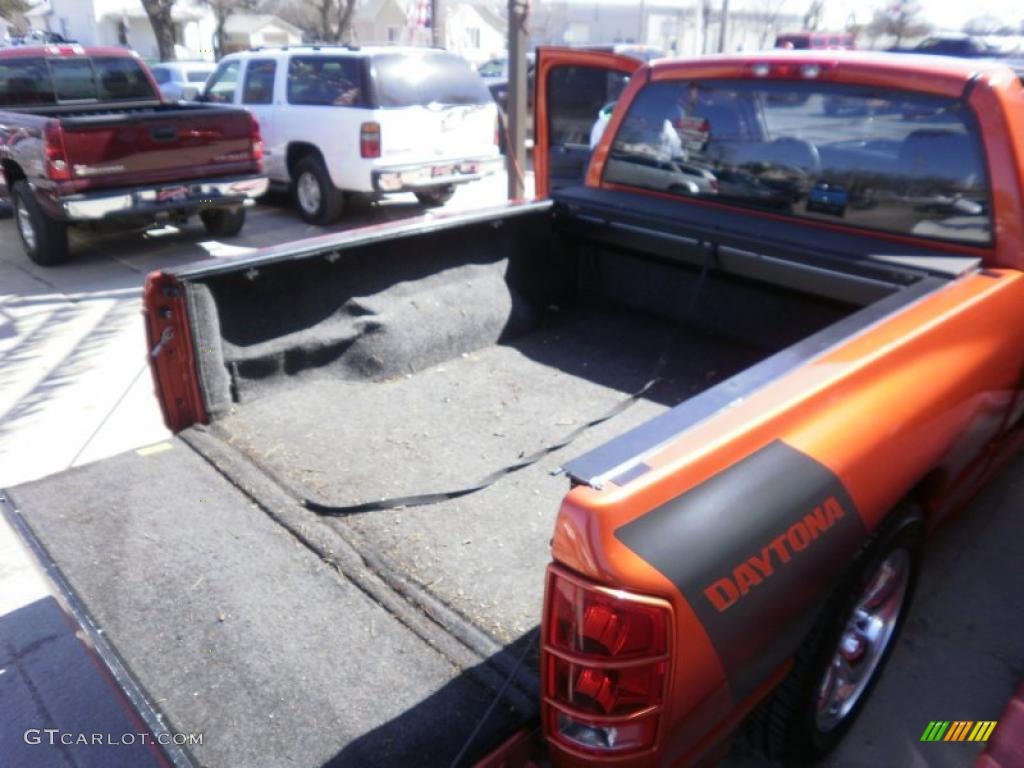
[369,140]
[605,662]
[598,624]
[256,140]
[57,167]
[806,70]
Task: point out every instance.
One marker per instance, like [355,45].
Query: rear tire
[317,200]
[45,240]
[223,222]
[843,656]
[433,197]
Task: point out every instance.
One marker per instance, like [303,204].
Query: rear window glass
[326,81]
[406,80]
[161,75]
[883,160]
[25,82]
[198,75]
[28,82]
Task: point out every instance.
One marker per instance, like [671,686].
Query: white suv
[339,119]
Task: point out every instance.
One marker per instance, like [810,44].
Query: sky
[944,14]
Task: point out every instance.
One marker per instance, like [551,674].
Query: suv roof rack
[315,45]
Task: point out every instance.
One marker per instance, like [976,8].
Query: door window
[259,82]
[221,88]
[326,81]
[579,99]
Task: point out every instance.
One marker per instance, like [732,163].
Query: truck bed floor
[444,427]
[237,631]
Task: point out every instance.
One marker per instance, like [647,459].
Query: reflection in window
[905,163]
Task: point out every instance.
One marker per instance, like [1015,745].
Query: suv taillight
[369,140]
[57,167]
[605,660]
[256,140]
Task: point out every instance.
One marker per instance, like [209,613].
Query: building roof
[247,23]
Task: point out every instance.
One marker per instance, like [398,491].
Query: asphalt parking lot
[74,389]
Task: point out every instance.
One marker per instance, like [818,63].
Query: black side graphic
[754,550]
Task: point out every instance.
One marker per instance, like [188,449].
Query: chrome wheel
[25,228]
[307,190]
[868,632]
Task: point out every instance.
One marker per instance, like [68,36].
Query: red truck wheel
[435,196]
[223,222]
[842,657]
[45,240]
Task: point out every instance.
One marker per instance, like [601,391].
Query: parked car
[379,120]
[582,481]
[85,139]
[960,45]
[182,80]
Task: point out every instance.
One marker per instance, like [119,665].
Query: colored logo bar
[958,730]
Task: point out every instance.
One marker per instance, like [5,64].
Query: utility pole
[722,28]
[515,151]
[436,24]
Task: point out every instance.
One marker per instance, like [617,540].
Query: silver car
[182,80]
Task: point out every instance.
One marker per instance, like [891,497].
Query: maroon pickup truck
[85,138]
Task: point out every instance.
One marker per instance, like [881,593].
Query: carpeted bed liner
[237,631]
[343,442]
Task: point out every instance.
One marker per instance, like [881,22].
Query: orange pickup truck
[593,479]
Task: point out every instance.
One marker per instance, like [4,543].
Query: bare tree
[222,10]
[813,15]
[900,20]
[984,25]
[10,8]
[335,19]
[159,12]
[327,20]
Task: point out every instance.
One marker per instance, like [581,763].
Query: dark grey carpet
[240,633]
[450,424]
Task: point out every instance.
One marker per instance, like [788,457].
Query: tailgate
[157,145]
[235,630]
[427,133]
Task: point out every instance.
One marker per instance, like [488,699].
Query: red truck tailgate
[157,144]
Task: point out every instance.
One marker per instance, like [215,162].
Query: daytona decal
[754,550]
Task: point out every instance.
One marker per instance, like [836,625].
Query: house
[243,31]
[474,32]
[469,29]
[125,23]
[389,21]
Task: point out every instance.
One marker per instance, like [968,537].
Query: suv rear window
[326,81]
[411,79]
[36,82]
[883,160]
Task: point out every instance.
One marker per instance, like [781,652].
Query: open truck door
[573,86]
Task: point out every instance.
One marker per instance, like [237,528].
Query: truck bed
[453,423]
[403,361]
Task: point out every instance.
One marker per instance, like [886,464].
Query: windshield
[898,162]
[411,79]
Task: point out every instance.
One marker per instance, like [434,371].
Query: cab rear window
[37,82]
[892,161]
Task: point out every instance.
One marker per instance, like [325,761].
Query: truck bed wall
[391,307]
